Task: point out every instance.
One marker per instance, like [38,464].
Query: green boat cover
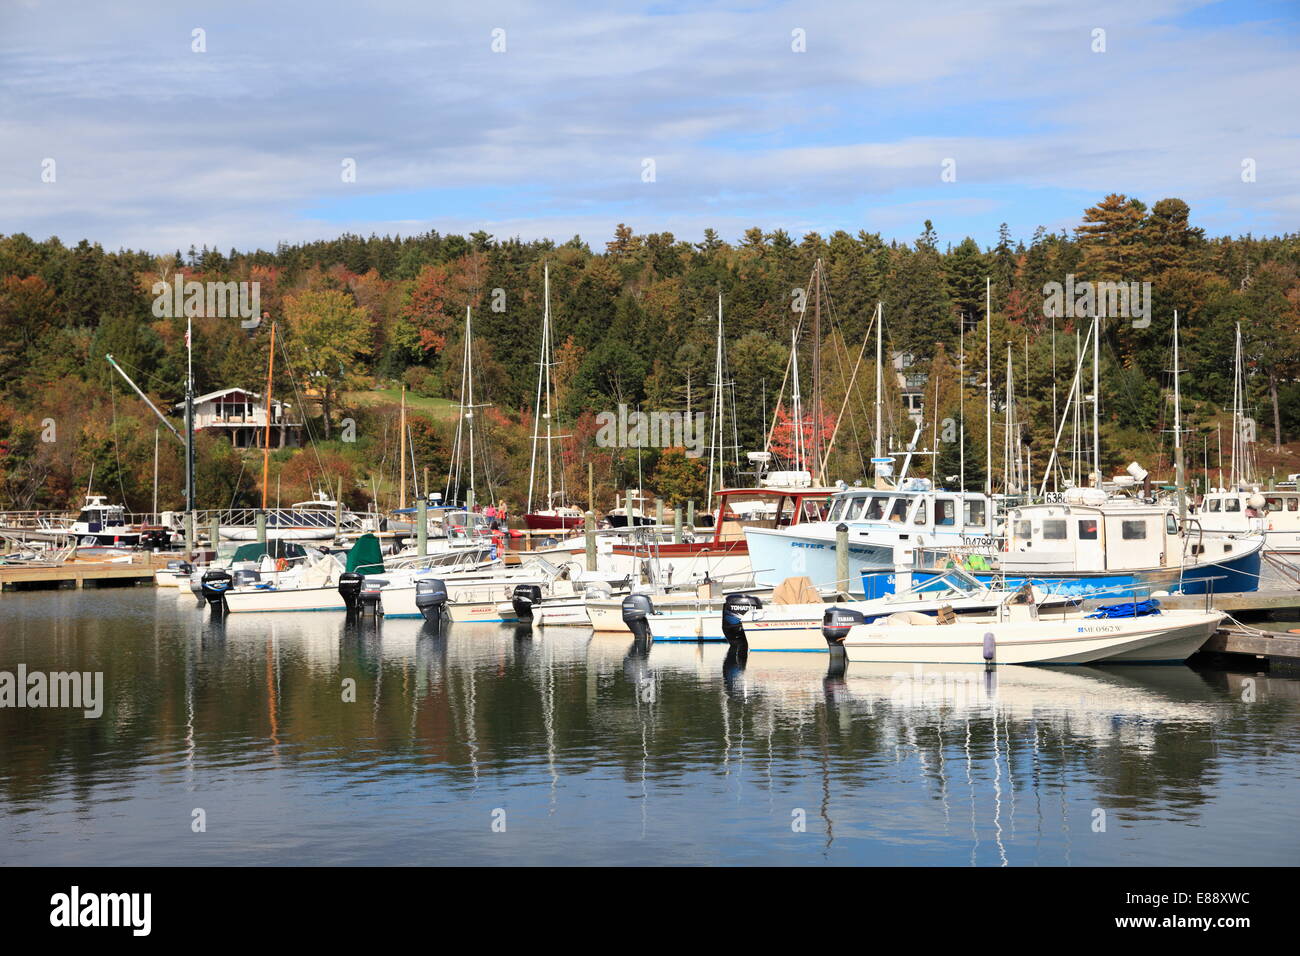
[275,548]
[365,556]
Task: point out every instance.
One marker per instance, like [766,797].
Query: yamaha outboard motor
[215,585]
[350,590]
[431,598]
[734,610]
[836,623]
[636,608]
[246,576]
[369,596]
[524,598]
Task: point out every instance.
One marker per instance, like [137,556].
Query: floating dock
[83,573]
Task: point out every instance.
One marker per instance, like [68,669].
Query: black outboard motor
[734,610]
[431,598]
[836,623]
[246,576]
[369,597]
[524,598]
[350,590]
[636,608]
[215,585]
[180,567]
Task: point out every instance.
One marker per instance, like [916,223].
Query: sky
[120,124]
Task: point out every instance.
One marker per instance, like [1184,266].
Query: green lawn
[439,407]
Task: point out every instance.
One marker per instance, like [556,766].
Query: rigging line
[302,404]
[112,386]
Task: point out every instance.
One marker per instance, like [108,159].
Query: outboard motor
[636,608]
[369,596]
[734,610]
[246,576]
[215,585]
[180,567]
[431,598]
[836,623]
[350,590]
[524,598]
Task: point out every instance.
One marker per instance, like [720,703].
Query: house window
[1133,530]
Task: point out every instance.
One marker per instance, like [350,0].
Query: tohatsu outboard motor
[350,590]
[244,577]
[836,623]
[215,585]
[734,610]
[431,598]
[636,608]
[524,598]
[369,598]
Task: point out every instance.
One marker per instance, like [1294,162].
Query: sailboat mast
[469,384]
[546,370]
[1180,484]
[961,402]
[797,447]
[266,438]
[189,418]
[880,380]
[1234,474]
[817,370]
[401,454]
[988,386]
[715,426]
[1096,401]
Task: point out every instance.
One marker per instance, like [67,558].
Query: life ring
[281,564]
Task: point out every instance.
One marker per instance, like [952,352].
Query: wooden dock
[81,574]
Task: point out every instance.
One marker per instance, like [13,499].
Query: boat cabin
[739,508]
[1063,537]
[919,510]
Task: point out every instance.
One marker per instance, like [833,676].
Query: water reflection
[315,738]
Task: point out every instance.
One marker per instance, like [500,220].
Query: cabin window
[877,509]
[1232,504]
[1214,504]
[1292,503]
[1024,530]
[1054,529]
[854,509]
[975,512]
[1273,504]
[1133,530]
[922,513]
[945,511]
[1088,530]
[899,511]
[837,509]
[1171,525]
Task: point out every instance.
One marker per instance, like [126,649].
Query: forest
[634,323]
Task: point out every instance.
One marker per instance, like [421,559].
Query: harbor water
[301,739]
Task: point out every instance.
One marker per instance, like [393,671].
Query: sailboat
[553,516]
[1244,506]
[899,512]
[1094,542]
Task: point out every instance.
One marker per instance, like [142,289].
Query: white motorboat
[1019,634]
[797,625]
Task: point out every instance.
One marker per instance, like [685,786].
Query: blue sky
[157,146]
